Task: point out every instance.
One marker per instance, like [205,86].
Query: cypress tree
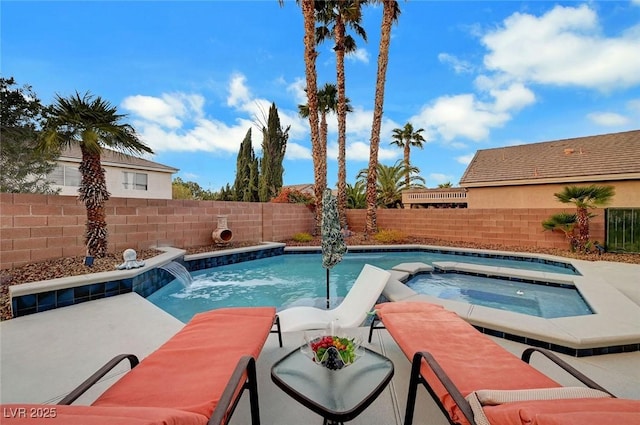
[245,187]
[274,145]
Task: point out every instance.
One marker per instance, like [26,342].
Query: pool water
[520,297]
[293,279]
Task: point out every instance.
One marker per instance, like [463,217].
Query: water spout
[178,271]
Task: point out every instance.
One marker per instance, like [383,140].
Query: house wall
[508,227]
[541,196]
[158,183]
[39,227]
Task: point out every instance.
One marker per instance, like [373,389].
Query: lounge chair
[350,313]
[196,377]
[459,366]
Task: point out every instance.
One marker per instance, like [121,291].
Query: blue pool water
[520,297]
[294,279]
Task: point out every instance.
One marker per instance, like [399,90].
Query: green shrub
[390,236]
[302,237]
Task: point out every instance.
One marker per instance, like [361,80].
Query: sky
[193,77]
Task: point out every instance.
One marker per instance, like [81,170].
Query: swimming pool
[534,299]
[296,279]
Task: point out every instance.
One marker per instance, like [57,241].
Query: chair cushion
[190,371]
[472,360]
[585,411]
[29,414]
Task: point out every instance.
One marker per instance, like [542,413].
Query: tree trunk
[93,192]
[342,121]
[407,153]
[321,181]
[308,14]
[383,59]
[583,228]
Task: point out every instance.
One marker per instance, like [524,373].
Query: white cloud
[166,111]
[440,178]
[458,65]
[608,119]
[297,151]
[513,98]
[297,90]
[238,92]
[460,116]
[360,55]
[465,159]
[564,47]
[359,151]
[636,2]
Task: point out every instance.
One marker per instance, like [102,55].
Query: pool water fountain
[178,271]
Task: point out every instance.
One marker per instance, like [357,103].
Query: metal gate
[622,228]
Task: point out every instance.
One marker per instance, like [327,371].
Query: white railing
[435,196]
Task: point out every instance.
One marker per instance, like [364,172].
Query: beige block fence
[39,227]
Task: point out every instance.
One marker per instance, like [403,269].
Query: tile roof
[110,157]
[614,156]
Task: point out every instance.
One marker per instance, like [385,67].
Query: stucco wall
[508,227]
[541,196]
[39,227]
[158,183]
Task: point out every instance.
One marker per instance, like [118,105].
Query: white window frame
[135,181]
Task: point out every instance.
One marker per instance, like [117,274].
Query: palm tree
[309,8]
[93,124]
[444,185]
[390,14]
[356,198]
[327,102]
[391,182]
[584,198]
[341,14]
[565,223]
[405,138]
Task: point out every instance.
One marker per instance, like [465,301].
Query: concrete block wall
[39,227]
[509,227]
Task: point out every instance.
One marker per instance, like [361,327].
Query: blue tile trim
[575,352]
[561,264]
[223,260]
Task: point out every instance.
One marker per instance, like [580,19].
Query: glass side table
[336,395]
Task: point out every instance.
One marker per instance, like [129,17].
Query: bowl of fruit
[332,351]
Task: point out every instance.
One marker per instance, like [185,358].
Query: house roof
[614,156]
[118,159]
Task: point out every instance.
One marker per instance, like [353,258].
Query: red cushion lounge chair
[197,376]
[452,360]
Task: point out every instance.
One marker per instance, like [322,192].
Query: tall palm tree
[327,102]
[405,138]
[309,8]
[390,14]
[584,198]
[335,17]
[93,124]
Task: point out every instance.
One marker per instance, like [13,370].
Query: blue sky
[193,77]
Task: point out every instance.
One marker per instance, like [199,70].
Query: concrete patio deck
[45,355]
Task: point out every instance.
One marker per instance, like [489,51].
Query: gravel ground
[74,266]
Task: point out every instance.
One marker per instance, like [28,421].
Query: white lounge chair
[349,314]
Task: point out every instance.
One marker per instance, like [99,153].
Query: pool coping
[576,335]
[579,335]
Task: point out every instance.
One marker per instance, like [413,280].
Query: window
[135,181]
[65,175]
